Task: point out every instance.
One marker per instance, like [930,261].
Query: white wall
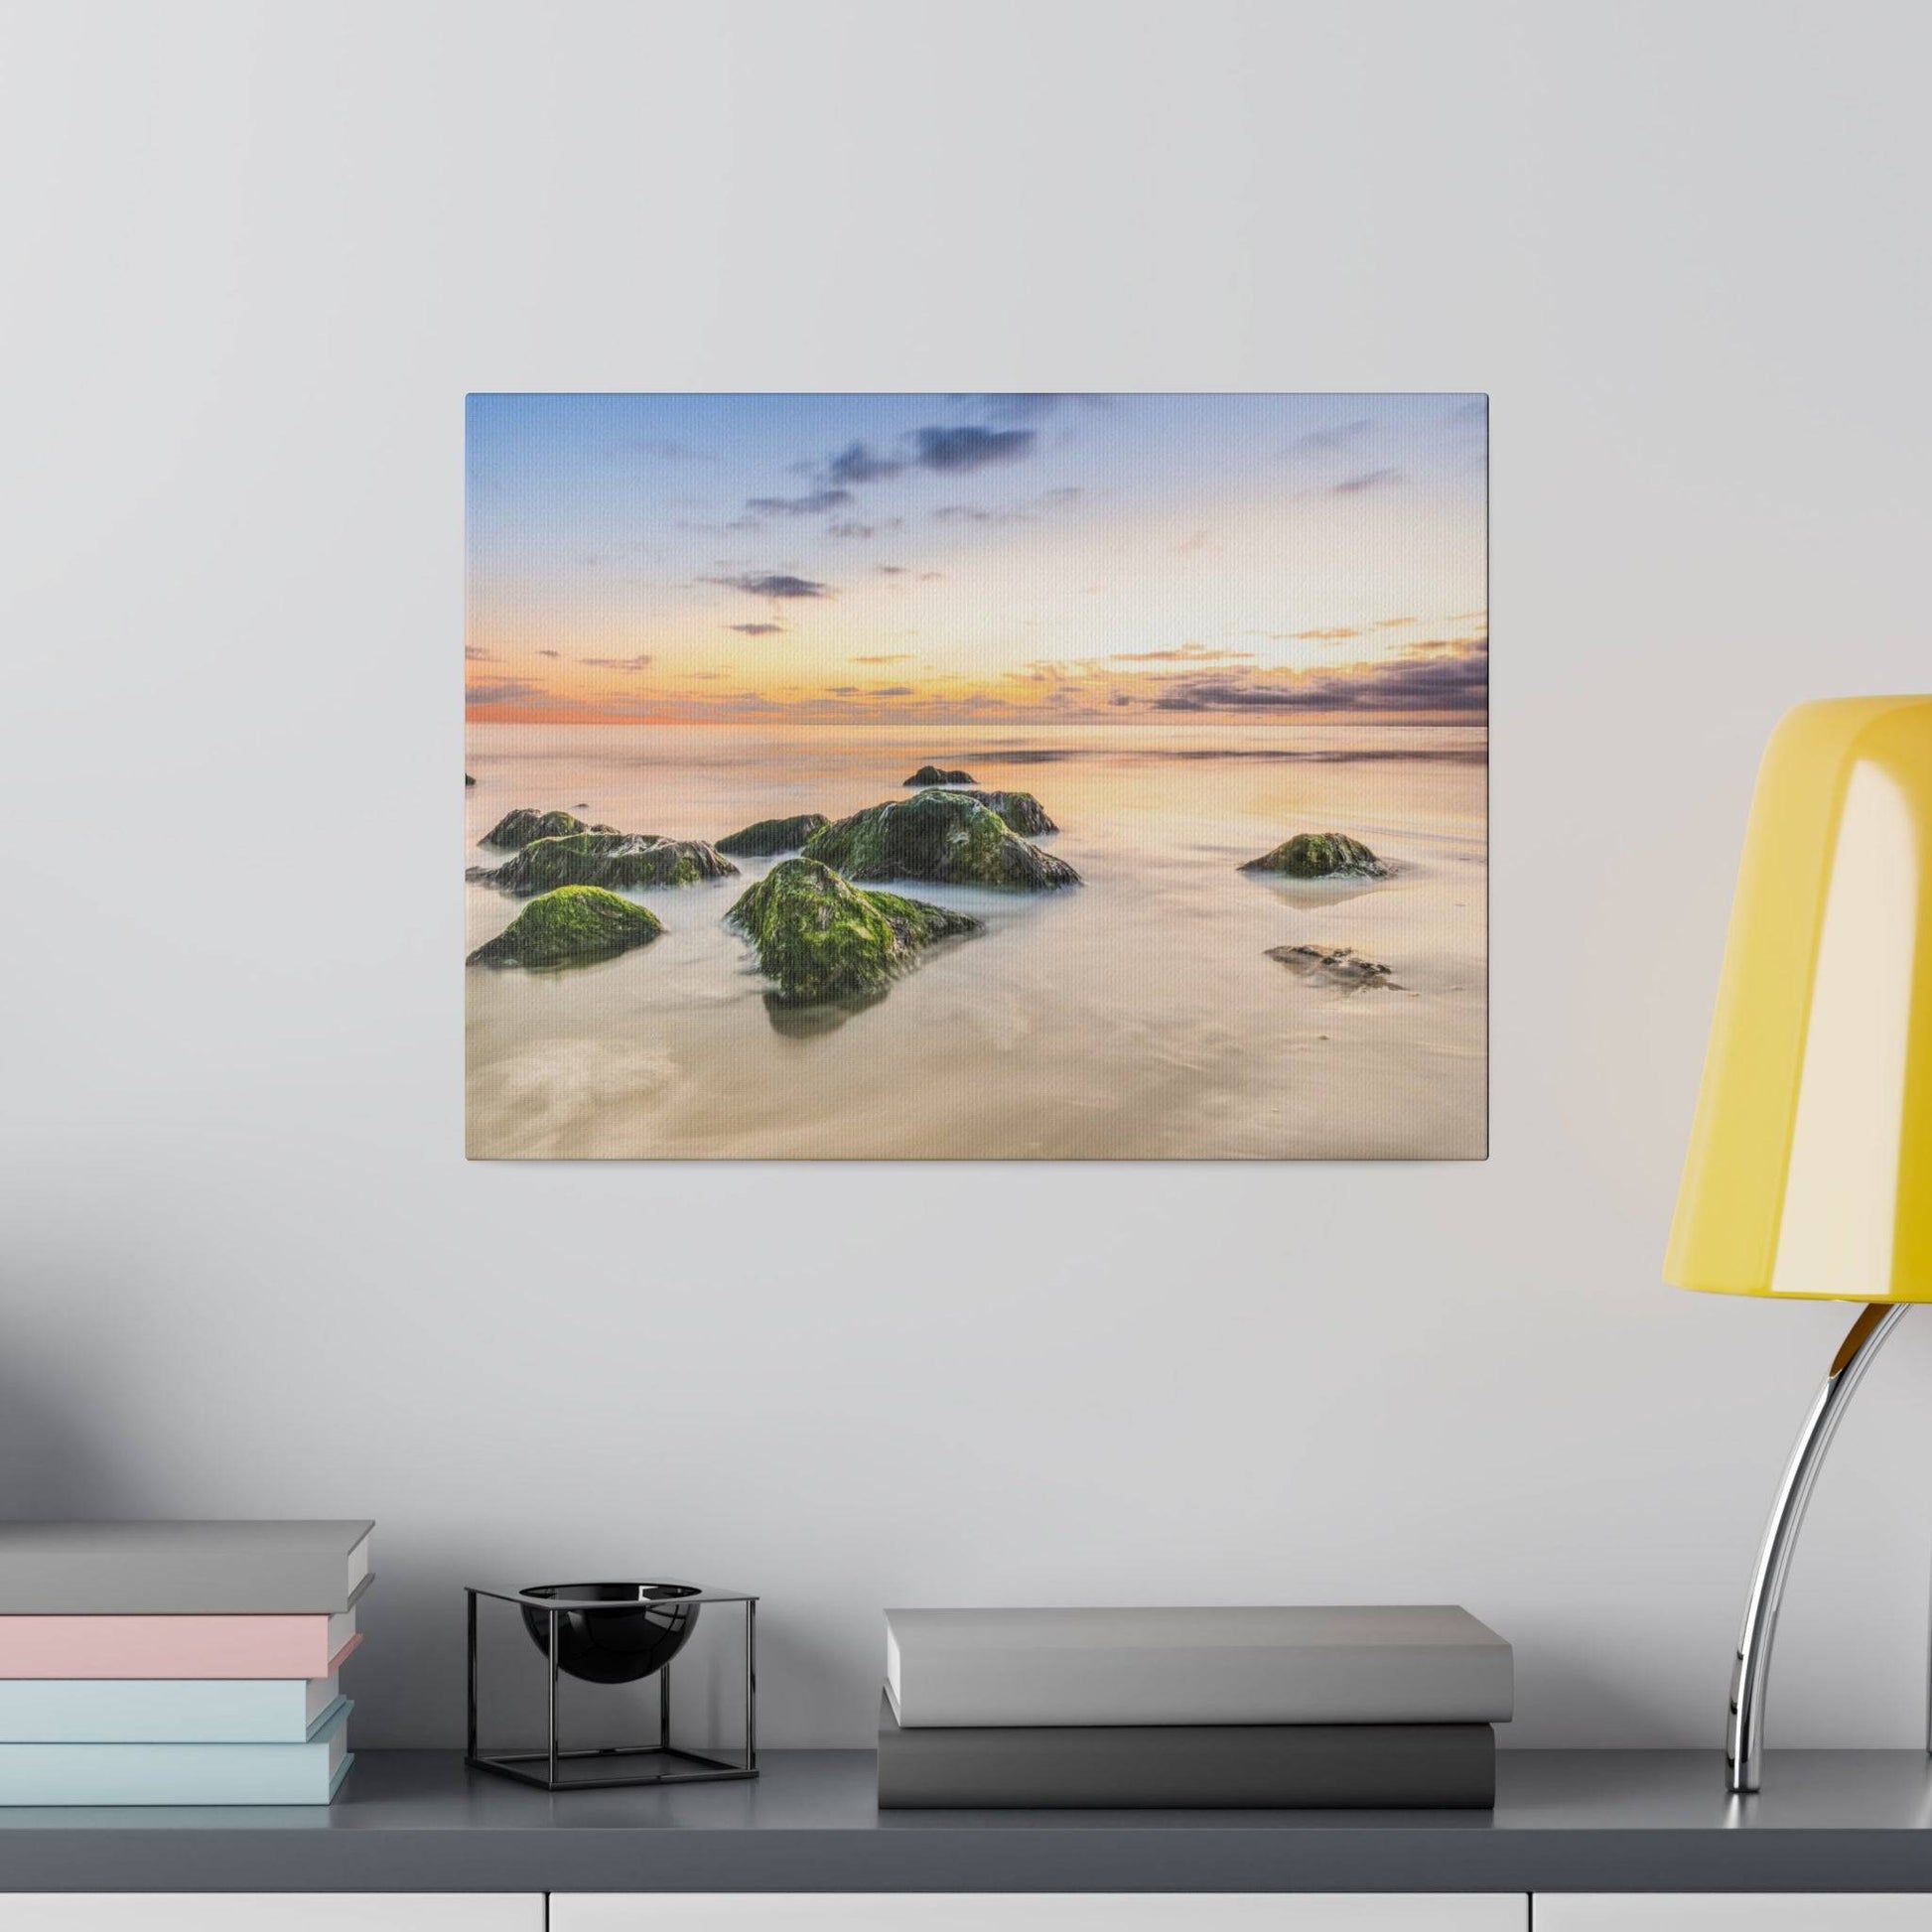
[256,254]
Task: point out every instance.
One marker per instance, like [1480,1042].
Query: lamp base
[1751,1672]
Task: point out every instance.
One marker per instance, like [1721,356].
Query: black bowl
[614,1646]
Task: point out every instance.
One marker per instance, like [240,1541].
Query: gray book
[232,1568]
[1174,1767]
[1372,1664]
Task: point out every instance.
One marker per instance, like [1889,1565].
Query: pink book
[175,1646]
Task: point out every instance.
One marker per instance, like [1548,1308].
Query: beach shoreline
[1137,1017]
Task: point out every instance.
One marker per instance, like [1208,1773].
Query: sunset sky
[881,558]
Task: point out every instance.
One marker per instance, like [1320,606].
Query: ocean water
[1137,1017]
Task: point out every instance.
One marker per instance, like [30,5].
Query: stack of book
[176,1663]
[1363,1707]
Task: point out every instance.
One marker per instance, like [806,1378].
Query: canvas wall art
[967,776]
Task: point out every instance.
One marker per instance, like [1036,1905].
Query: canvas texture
[976,776]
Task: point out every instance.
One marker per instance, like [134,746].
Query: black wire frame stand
[551,1769]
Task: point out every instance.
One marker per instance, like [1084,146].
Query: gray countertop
[1565,1821]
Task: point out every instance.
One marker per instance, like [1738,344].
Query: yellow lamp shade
[1810,1170]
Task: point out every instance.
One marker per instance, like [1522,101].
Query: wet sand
[1137,1017]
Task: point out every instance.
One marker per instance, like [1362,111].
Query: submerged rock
[514,830]
[824,939]
[1342,964]
[943,837]
[619,861]
[1021,811]
[770,835]
[571,927]
[931,774]
[1320,855]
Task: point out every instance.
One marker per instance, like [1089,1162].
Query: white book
[165,1711]
[1427,1663]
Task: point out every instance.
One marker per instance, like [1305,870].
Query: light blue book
[309,1773]
[165,1711]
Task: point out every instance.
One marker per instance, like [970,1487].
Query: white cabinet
[203,1911]
[1036,1912]
[1733,1913]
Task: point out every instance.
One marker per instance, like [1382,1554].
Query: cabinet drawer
[1036,1912]
[240,1911]
[1733,1913]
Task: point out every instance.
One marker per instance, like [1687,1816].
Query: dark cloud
[755,629]
[775,583]
[885,658]
[640,662]
[972,513]
[1431,677]
[549,654]
[475,654]
[1119,697]
[816,504]
[505,690]
[962,448]
[1331,436]
[1184,654]
[931,576]
[952,449]
[858,463]
[892,691]
[1368,479]
[889,570]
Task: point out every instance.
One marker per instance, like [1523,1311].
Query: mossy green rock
[942,837]
[1022,812]
[931,774]
[571,927]
[618,860]
[826,940]
[514,830]
[773,835]
[1320,855]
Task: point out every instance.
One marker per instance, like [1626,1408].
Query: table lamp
[1810,1166]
